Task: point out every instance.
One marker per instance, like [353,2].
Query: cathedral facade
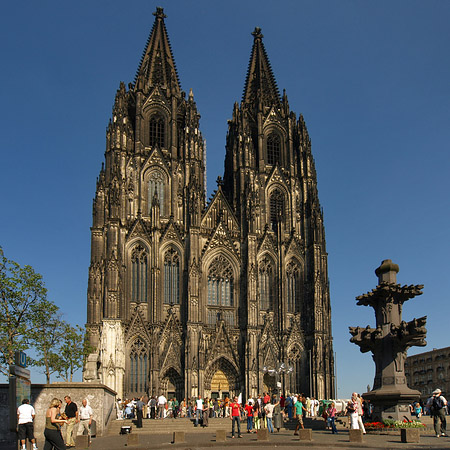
[216,298]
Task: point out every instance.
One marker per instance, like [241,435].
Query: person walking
[52,431]
[205,412]
[257,415]
[331,417]
[276,414]
[139,412]
[298,410]
[235,416]
[249,412]
[437,403]
[71,412]
[161,406]
[268,408]
[25,428]
[85,416]
[199,410]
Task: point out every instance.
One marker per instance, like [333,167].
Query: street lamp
[280,369]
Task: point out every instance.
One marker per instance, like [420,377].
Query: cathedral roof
[260,84]
[157,66]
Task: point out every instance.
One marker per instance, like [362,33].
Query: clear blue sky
[370,78]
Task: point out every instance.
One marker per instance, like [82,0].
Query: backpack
[438,403]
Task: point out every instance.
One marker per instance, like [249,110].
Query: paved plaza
[157,434]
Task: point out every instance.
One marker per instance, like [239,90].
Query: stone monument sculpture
[389,342]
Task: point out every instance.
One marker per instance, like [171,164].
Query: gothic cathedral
[216,298]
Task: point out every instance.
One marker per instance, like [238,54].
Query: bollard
[178,436]
[132,439]
[221,435]
[263,434]
[305,434]
[355,435]
[410,435]
[82,441]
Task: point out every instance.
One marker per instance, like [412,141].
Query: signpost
[19,386]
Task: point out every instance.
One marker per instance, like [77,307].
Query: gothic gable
[221,237]
[295,247]
[274,118]
[223,346]
[267,244]
[158,98]
[171,233]
[171,332]
[137,327]
[276,177]
[268,346]
[220,210]
[155,158]
[138,229]
[295,341]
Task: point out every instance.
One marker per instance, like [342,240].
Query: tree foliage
[28,320]
[22,297]
[74,348]
[45,337]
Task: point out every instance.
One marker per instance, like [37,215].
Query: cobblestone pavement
[203,438]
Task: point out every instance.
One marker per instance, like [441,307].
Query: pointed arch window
[139,260]
[293,288]
[156,187]
[156,131]
[171,277]
[266,284]
[276,208]
[220,291]
[273,149]
[138,378]
[220,282]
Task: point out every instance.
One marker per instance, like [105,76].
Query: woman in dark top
[205,412]
[53,422]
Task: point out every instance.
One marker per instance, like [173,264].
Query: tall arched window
[276,208]
[138,380]
[171,277]
[156,185]
[293,287]
[156,131]
[273,149]
[139,274]
[220,290]
[266,284]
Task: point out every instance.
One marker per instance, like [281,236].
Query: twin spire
[260,84]
[157,67]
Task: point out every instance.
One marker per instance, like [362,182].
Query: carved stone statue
[389,342]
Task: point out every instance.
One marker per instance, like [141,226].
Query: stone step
[169,425]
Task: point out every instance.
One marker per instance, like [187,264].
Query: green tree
[45,337]
[23,297]
[73,351]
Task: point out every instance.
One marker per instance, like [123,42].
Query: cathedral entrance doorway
[269,384]
[221,379]
[220,387]
[172,384]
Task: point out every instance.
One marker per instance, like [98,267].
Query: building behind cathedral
[187,297]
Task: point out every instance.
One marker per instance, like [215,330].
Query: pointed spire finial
[257,33]
[159,13]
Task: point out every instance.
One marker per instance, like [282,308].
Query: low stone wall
[100,398]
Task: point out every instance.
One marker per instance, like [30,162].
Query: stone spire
[260,85]
[157,66]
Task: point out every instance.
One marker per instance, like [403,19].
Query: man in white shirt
[85,415]
[25,417]
[161,406]
[199,412]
